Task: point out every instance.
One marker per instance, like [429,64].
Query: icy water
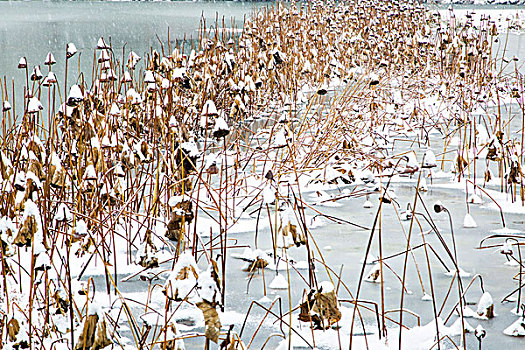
[33,29]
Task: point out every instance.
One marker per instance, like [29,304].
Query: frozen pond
[34,28]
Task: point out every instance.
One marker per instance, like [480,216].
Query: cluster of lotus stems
[116,169]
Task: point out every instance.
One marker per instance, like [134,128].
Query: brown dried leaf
[184,273]
[488,176]
[87,337]
[256,264]
[321,309]
[101,340]
[514,174]
[101,166]
[326,306]
[13,327]
[36,167]
[461,163]
[211,320]
[26,232]
[58,178]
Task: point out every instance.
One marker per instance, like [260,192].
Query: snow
[456,329]
[71,50]
[429,159]
[426,297]
[220,125]
[485,302]
[367,204]
[63,213]
[148,77]
[101,44]
[184,287]
[280,139]
[50,59]
[279,282]
[207,288]
[174,200]
[42,261]
[318,183]
[22,63]
[370,259]
[516,329]
[75,93]
[34,105]
[115,111]
[469,222]
[268,195]
[81,227]
[474,199]
[209,109]
[326,287]
[90,173]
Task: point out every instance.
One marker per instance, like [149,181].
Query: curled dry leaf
[211,320]
[321,309]
[13,327]
[27,232]
[94,335]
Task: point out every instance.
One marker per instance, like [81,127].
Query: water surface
[34,28]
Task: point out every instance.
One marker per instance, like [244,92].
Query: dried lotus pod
[174,232]
[213,169]
[182,214]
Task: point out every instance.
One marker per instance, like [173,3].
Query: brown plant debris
[211,320]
